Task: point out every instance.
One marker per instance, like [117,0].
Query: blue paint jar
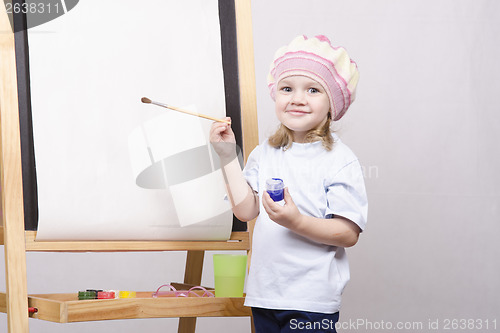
[275,186]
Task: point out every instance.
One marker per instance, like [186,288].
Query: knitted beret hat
[317,59]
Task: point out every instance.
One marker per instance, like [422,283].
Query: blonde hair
[283,137]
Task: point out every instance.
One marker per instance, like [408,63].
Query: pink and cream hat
[317,59]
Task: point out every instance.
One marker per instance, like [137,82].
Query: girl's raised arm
[244,201]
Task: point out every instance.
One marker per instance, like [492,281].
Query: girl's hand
[288,215]
[223,140]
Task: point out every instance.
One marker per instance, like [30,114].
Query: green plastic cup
[229,274]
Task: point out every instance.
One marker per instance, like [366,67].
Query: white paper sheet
[94,138]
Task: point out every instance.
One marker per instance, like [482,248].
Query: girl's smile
[297,112]
[302,104]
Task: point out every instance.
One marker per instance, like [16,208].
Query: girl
[299,267]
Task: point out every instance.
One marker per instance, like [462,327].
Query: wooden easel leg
[187,325]
[194,267]
[192,275]
[252,327]
[16,285]
[11,184]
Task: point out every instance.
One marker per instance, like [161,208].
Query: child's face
[301,105]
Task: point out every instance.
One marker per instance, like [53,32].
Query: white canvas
[89,70]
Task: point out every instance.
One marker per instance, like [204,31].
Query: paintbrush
[148,101]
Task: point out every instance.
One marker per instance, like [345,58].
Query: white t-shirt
[289,271]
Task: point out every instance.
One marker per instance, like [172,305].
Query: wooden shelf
[238,241]
[66,308]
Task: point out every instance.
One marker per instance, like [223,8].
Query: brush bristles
[145,100]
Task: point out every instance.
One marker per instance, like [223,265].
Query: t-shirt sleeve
[346,194]
[251,170]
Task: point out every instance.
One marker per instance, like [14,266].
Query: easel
[64,307]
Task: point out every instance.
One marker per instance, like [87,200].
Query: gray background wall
[425,127]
